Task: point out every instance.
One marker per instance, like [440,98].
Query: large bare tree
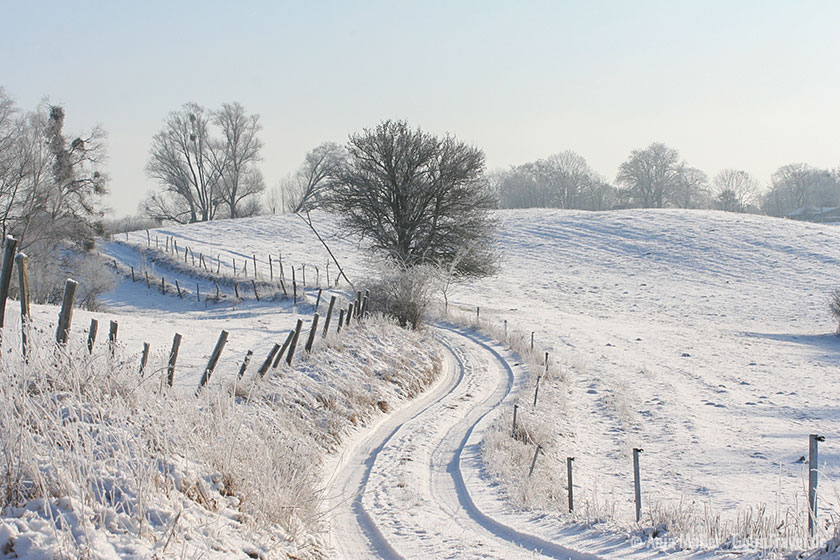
[240,151]
[204,176]
[656,177]
[416,197]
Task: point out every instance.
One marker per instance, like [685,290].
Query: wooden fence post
[146,272]
[236,289]
[245,363]
[144,358]
[270,358]
[112,336]
[340,320]
[283,349]
[317,277]
[537,389]
[94,327]
[178,287]
[245,267]
[303,274]
[6,275]
[534,462]
[532,340]
[214,359]
[255,267]
[173,357]
[329,315]
[357,308]
[813,476]
[477,314]
[22,262]
[234,266]
[163,285]
[293,345]
[65,317]
[312,332]
[348,315]
[505,330]
[637,484]
[270,269]
[365,303]
[569,461]
[318,300]
[328,274]
[132,273]
[254,284]
[197,292]
[294,288]
[148,239]
[515,410]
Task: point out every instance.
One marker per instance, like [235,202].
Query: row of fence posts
[202,263]
[813,458]
[356,309]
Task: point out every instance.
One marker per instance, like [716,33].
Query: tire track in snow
[398,490]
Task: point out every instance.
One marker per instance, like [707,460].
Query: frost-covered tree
[240,179]
[799,185]
[51,191]
[416,197]
[656,177]
[562,180]
[735,190]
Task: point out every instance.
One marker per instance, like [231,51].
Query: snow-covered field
[701,337]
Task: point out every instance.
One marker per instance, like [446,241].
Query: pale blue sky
[746,84]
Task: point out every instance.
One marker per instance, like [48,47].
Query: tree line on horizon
[206,163]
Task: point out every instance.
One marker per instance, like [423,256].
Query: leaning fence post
[94,327]
[534,462]
[569,461]
[270,358]
[813,475]
[173,357]
[329,315]
[318,301]
[637,483]
[144,359]
[283,349]
[236,289]
[312,332]
[214,359]
[537,389]
[515,409]
[22,262]
[256,295]
[65,317]
[293,345]
[245,363]
[178,287]
[6,275]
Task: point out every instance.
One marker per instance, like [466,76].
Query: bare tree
[656,177]
[306,189]
[188,165]
[416,197]
[799,185]
[237,152]
[735,190]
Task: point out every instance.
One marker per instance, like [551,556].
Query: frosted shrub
[404,293]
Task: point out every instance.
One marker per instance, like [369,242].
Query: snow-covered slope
[701,337]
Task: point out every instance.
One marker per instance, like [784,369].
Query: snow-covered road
[401,490]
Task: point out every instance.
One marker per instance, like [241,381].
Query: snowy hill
[702,337]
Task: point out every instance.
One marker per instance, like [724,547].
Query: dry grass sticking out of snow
[100,462]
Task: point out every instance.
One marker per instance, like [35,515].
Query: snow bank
[102,463]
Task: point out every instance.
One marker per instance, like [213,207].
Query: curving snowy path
[398,489]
